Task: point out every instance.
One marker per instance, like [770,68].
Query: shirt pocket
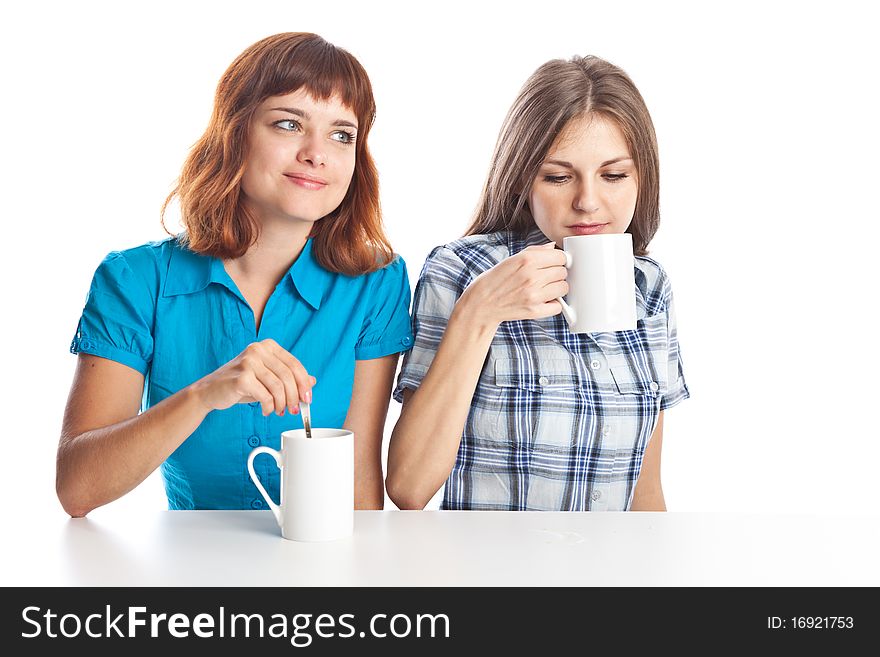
[547,376]
[536,406]
[641,366]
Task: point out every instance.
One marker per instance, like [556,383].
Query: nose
[586,199]
[312,151]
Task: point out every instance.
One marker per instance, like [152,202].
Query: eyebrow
[307,116]
[569,165]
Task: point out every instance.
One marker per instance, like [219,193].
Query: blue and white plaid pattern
[559,421]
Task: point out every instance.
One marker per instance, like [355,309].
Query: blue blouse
[176,316]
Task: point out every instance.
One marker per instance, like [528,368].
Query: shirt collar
[190,272]
[517,242]
[309,278]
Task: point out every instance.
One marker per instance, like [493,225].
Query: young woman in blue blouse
[501,402]
[283,288]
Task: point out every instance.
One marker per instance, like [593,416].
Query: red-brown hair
[351,239]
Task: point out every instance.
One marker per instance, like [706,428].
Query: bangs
[324,70]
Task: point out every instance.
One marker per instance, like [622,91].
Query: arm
[425,441]
[648,495]
[370,396]
[106,448]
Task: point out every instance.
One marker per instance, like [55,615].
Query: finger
[281,369]
[537,296]
[554,258]
[548,275]
[254,391]
[303,380]
[249,389]
[304,383]
[548,309]
[544,256]
[274,386]
[556,290]
[527,282]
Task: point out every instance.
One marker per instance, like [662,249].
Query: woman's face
[587,184]
[300,157]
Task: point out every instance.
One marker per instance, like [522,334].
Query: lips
[587,229]
[306,181]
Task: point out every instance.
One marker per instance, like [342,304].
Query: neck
[274,252]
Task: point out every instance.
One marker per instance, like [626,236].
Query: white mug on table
[601,281]
[317,484]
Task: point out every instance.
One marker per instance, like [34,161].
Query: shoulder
[137,269]
[389,275]
[146,258]
[653,283]
[473,254]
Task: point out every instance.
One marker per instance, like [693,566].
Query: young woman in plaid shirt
[501,402]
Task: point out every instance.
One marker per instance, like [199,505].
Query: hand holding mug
[524,286]
[263,372]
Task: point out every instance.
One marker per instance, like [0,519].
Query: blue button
[407,341]
[257,504]
[253,441]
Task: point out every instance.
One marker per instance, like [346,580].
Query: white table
[447,548]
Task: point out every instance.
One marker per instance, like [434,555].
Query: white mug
[601,283]
[317,484]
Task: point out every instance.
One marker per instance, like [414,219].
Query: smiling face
[587,184]
[300,159]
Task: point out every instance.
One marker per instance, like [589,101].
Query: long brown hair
[349,240]
[554,94]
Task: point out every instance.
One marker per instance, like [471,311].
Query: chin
[305,215]
[310,213]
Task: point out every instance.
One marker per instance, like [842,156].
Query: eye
[614,177]
[288,125]
[343,137]
[556,180]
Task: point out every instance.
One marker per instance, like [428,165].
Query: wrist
[474,315]
[194,394]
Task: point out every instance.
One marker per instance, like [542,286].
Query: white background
[766,115]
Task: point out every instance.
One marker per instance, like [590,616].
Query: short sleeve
[386,327]
[116,322]
[678,389]
[441,283]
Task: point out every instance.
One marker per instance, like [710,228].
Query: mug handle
[277,456]
[567,311]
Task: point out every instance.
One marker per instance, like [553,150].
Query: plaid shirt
[559,421]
